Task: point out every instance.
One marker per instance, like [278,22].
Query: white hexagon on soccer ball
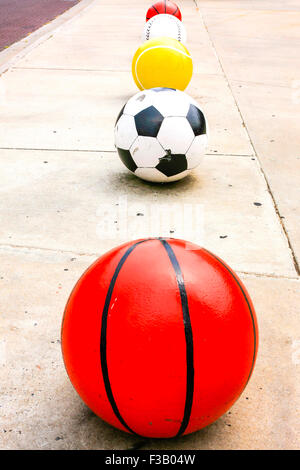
[146,151]
[172,103]
[151,174]
[196,151]
[156,176]
[139,102]
[125,132]
[176,135]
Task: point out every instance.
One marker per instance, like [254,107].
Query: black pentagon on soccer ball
[120,114]
[172,164]
[148,122]
[197,120]
[159,89]
[127,159]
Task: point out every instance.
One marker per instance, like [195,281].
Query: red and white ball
[164,7]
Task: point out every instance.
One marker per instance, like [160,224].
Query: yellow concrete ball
[162,62]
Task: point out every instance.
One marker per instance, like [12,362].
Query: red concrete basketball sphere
[163,7]
[159,337]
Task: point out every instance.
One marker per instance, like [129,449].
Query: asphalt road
[18,18]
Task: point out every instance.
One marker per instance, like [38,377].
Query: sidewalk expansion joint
[20,248]
[27,149]
[249,82]
[63,69]
[267,275]
[36,149]
[296,265]
[229,155]
[4,246]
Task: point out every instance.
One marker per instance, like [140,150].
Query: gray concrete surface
[257,44]
[61,178]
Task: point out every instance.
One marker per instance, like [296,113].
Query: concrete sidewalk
[61,175]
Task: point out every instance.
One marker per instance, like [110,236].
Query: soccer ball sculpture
[159,337]
[161,134]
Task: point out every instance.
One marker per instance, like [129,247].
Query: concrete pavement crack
[113,151]
[4,246]
[39,248]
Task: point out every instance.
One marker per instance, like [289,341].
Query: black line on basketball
[103,355]
[155,9]
[174,12]
[249,307]
[188,338]
[165,6]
